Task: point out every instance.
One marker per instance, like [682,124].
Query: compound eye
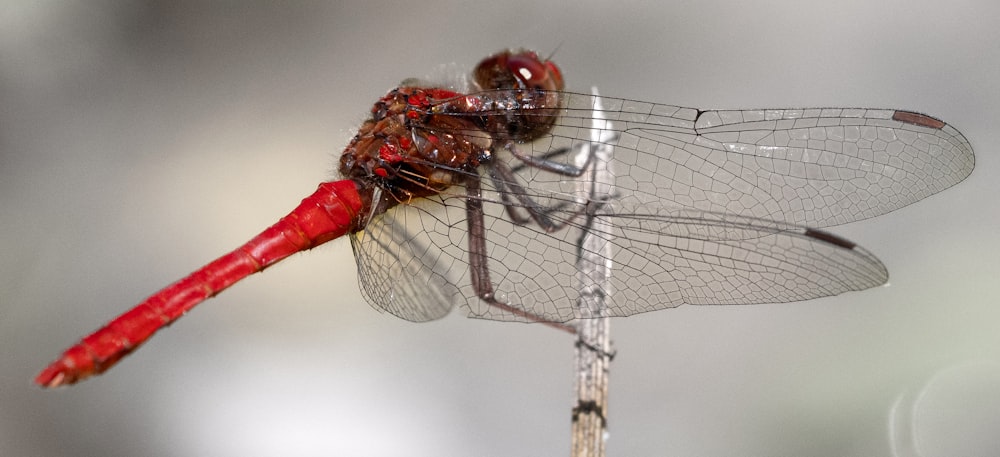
[528,70]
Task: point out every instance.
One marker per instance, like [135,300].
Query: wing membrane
[817,167]
[400,272]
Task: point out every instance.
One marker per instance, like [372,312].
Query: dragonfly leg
[546,163]
[507,202]
[479,263]
[507,185]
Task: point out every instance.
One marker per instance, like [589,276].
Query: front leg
[506,183]
[546,163]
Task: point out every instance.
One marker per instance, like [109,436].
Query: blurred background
[139,140]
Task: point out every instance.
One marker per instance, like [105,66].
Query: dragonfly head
[520,69]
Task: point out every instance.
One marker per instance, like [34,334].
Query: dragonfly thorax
[409,151]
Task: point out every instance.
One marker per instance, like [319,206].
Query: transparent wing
[697,257]
[400,272]
[666,257]
[662,259]
[817,167]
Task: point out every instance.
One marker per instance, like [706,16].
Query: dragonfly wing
[661,259]
[398,271]
[816,167]
[676,257]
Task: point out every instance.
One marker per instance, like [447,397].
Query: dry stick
[593,345]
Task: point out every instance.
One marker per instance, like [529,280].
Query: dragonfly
[470,197]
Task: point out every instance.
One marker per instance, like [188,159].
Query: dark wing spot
[829,238]
[910,117]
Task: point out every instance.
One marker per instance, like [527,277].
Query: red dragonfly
[471,197]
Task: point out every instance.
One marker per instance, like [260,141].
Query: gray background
[140,140]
